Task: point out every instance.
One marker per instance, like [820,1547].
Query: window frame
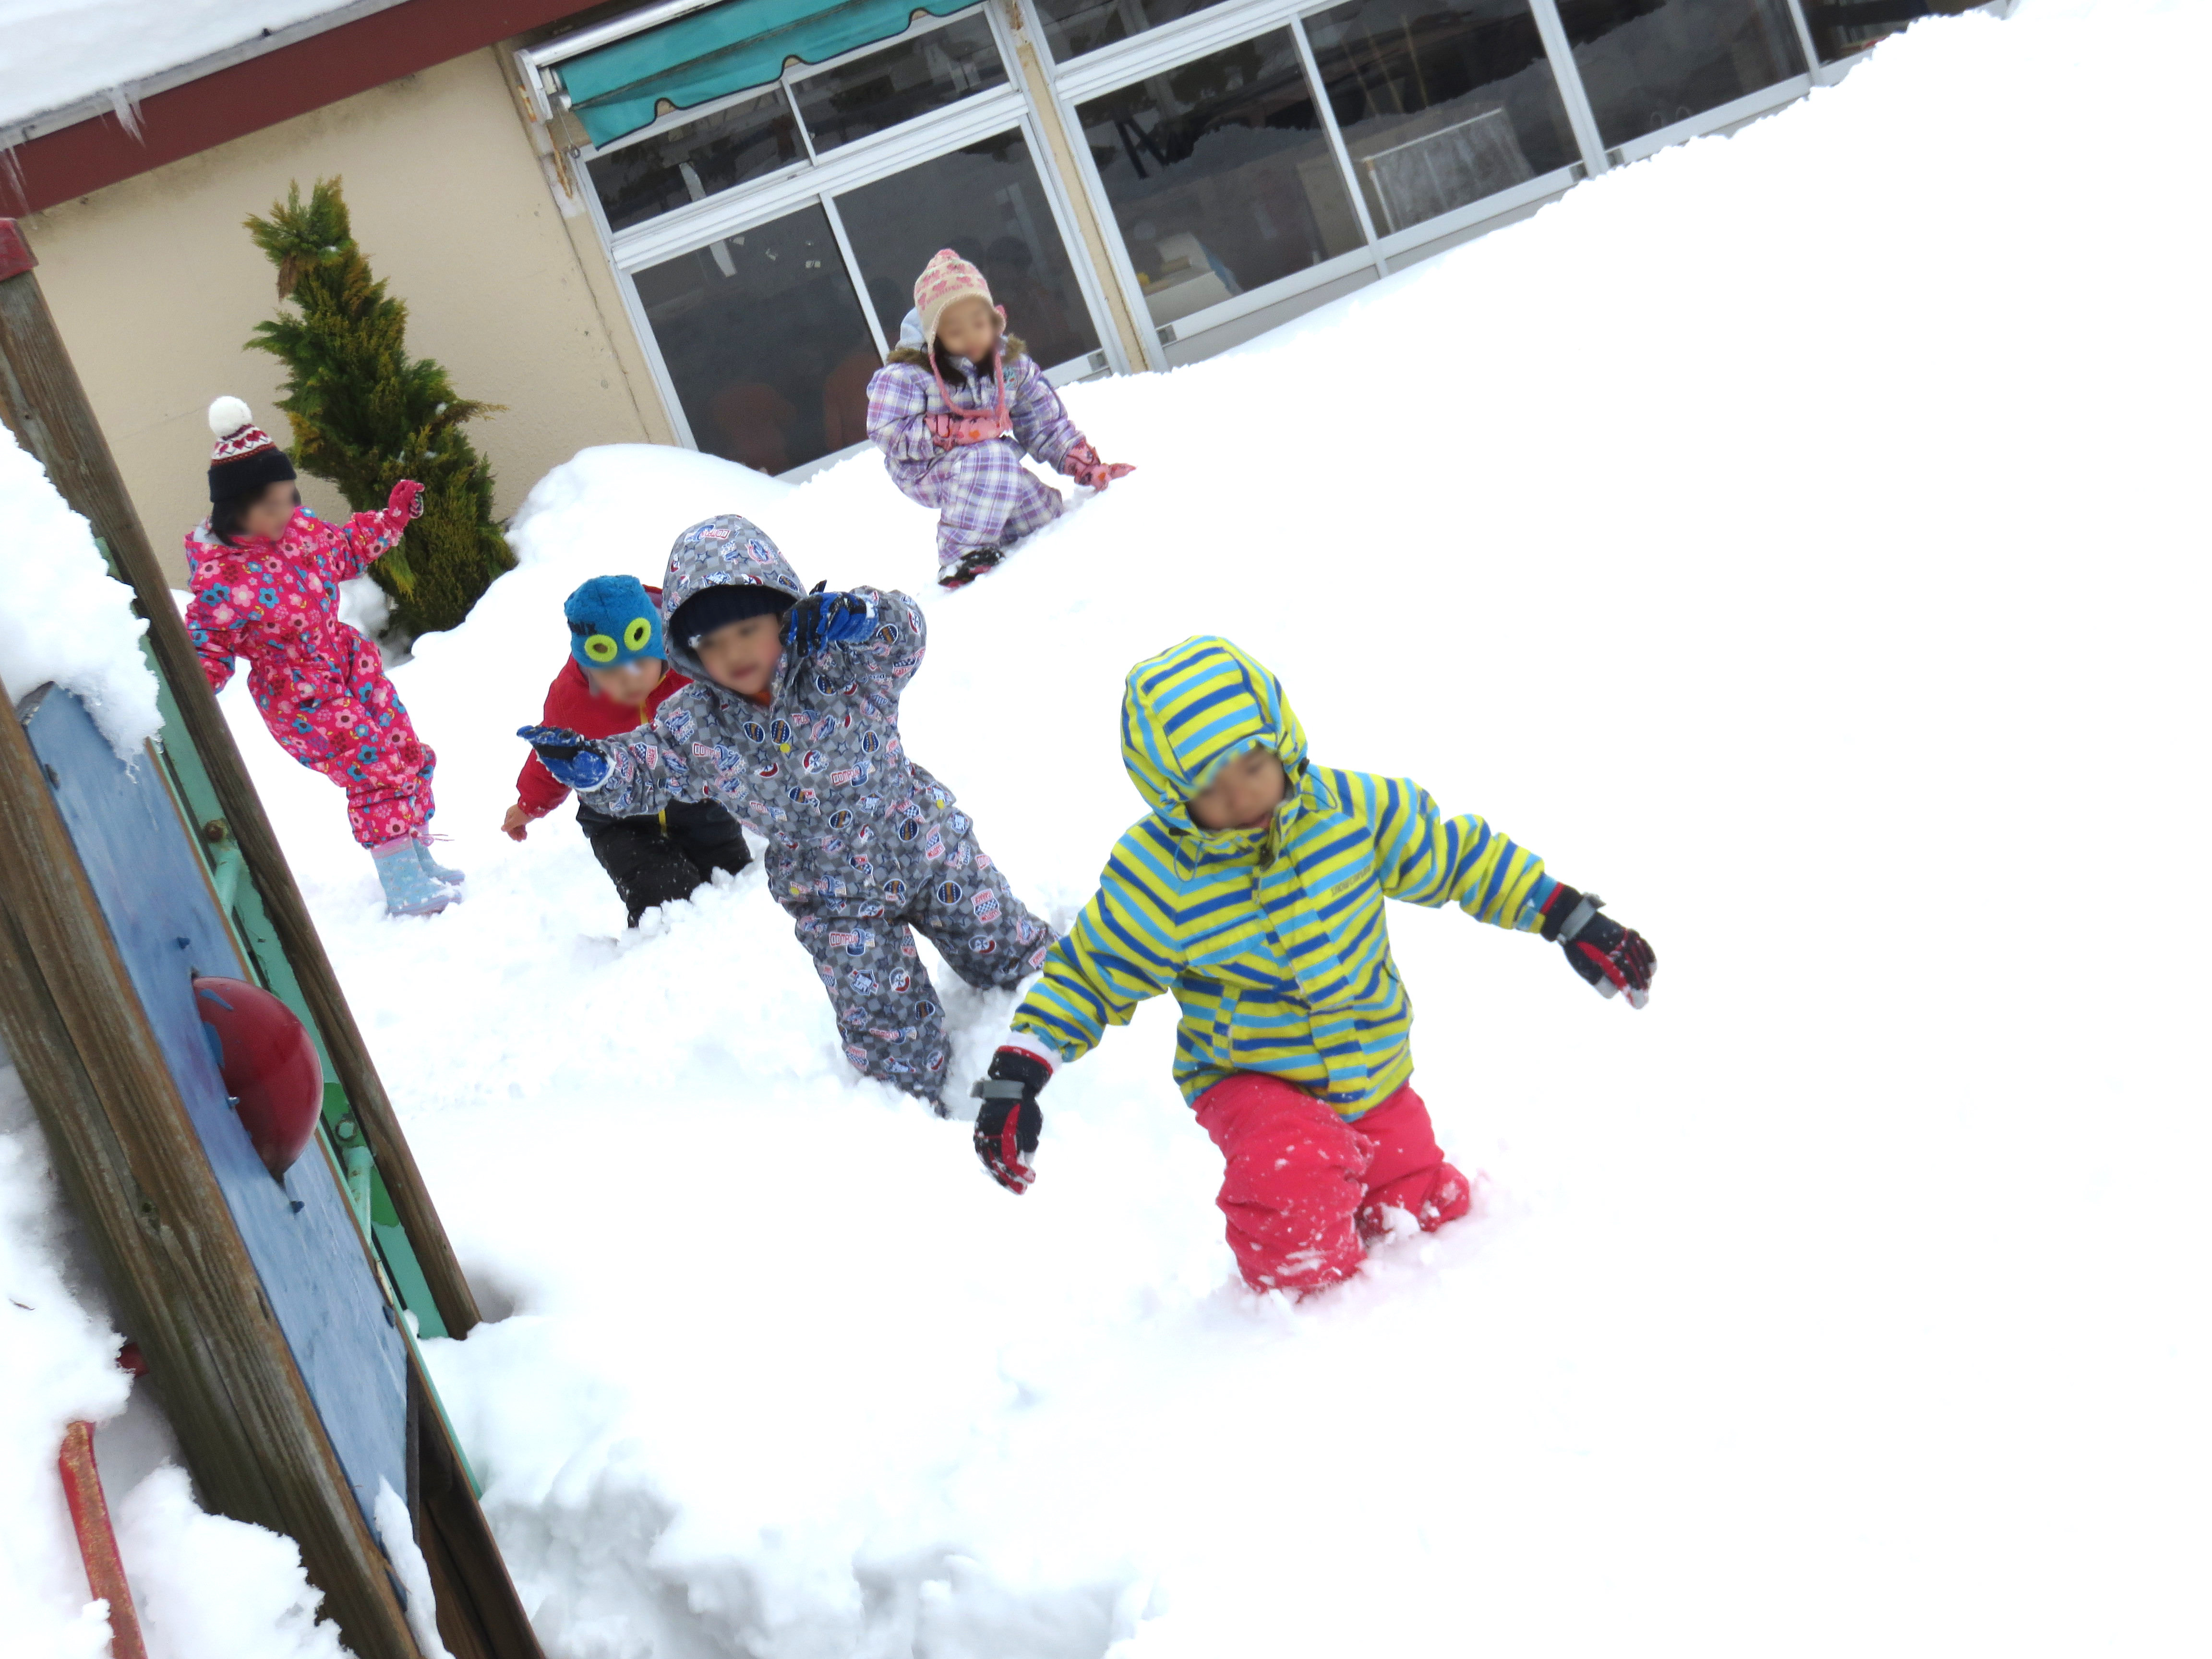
[1121,62]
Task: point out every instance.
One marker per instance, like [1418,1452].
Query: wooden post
[43,403]
[131,1164]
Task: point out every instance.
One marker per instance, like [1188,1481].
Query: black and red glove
[1608,956]
[1007,1128]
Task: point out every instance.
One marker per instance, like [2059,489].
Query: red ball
[267,1061]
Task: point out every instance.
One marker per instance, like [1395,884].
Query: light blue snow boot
[409,889]
[431,867]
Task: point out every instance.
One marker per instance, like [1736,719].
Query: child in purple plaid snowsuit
[957,445]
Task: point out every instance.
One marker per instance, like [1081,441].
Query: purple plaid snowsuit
[984,497]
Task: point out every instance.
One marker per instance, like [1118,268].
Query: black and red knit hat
[246,459]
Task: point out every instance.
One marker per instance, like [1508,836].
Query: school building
[697,222]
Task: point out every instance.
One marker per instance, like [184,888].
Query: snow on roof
[63,617]
[61,52]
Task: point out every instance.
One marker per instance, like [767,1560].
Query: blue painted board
[300,1232]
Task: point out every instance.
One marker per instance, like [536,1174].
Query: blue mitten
[821,619]
[567,755]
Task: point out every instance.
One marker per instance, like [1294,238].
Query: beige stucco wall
[157,287]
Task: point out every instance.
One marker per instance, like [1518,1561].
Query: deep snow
[1798,537]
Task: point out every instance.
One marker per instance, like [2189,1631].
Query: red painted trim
[16,255]
[262,91]
[96,1541]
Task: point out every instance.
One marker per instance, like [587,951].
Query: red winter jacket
[571,702]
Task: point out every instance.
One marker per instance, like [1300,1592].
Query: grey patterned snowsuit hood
[863,844]
[725,552]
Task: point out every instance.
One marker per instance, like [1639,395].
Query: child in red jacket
[616,675]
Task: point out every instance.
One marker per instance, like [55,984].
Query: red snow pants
[1304,1187]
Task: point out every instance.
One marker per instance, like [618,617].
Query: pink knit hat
[945,279]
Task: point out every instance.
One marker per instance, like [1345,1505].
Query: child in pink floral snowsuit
[264,575]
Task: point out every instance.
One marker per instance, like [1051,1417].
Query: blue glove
[564,754]
[821,619]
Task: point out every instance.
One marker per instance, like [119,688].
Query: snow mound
[63,617]
[1798,537]
[613,509]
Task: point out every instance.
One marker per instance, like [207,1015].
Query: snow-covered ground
[1799,538]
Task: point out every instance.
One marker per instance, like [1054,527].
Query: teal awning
[723,49]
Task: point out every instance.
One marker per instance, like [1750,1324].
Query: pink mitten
[1087,470]
[407,497]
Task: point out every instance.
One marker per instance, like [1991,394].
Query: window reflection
[1075,27]
[986,202]
[1841,27]
[1648,64]
[1220,176]
[747,140]
[924,72]
[753,328]
[1440,105]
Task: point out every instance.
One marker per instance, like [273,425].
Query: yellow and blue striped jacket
[1274,940]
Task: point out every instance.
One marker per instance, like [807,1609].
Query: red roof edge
[261,91]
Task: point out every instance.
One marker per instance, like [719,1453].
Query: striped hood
[1188,712]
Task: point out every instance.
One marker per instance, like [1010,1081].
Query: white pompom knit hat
[247,460]
[944,280]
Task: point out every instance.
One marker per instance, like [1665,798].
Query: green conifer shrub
[365,415]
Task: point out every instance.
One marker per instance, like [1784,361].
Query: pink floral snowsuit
[318,682]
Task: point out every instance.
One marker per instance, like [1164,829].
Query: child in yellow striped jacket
[1254,891]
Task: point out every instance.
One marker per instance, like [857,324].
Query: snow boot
[431,867]
[409,889]
[973,563]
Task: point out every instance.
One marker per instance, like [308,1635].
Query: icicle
[125,103]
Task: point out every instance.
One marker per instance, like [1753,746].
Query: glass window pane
[1440,104]
[1075,27]
[1220,176]
[643,180]
[761,334]
[985,201]
[925,72]
[1841,27]
[1648,65]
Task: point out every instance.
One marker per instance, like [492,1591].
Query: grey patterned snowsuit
[863,844]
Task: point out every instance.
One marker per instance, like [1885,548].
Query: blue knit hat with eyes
[612,620]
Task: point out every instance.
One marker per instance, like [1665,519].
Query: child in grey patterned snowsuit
[864,846]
